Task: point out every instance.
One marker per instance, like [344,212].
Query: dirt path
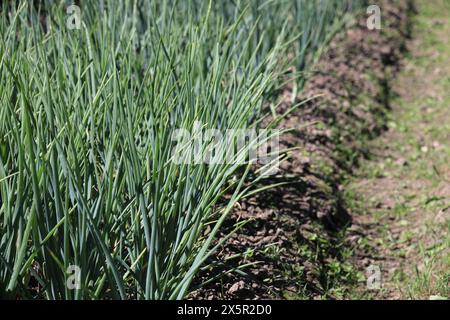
[401,196]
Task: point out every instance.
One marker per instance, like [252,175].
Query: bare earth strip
[401,195]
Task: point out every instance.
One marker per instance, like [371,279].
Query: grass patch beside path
[403,192]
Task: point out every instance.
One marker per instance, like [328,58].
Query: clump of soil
[293,244]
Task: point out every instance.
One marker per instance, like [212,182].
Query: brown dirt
[293,238]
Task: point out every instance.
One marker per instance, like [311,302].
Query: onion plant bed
[92,203]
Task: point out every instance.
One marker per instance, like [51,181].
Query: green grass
[416,186]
